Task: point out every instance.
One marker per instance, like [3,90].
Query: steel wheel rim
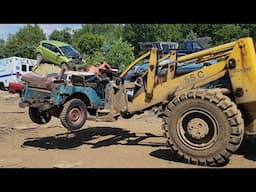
[75,115]
[197,129]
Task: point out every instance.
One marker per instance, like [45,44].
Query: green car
[59,53]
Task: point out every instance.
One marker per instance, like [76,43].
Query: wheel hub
[74,115]
[197,128]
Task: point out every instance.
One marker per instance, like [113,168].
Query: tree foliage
[24,42]
[201,30]
[251,28]
[227,33]
[61,35]
[135,33]
[220,33]
[2,48]
[88,43]
[95,58]
[114,42]
[120,54]
[191,35]
[110,32]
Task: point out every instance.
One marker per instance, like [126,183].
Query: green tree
[251,28]
[61,35]
[185,29]
[228,33]
[220,33]
[85,28]
[2,48]
[191,35]
[88,43]
[24,42]
[135,33]
[96,57]
[205,30]
[168,32]
[110,32]
[120,54]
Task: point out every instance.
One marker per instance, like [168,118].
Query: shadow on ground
[119,136]
[248,148]
[165,154]
[116,136]
[89,136]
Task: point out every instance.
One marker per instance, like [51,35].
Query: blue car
[140,68]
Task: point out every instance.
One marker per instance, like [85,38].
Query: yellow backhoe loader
[203,124]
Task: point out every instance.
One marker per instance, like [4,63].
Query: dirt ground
[134,143]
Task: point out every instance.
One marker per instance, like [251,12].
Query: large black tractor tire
[203,127]
[39,117]
[74,114]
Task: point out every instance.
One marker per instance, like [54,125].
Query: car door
[54,56]
[60,56]
[46,51]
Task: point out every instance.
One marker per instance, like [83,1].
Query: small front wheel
[74,114]
[39,117]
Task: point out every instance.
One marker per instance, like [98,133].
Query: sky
[6,29]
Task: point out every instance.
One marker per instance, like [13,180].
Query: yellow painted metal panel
[244,74]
